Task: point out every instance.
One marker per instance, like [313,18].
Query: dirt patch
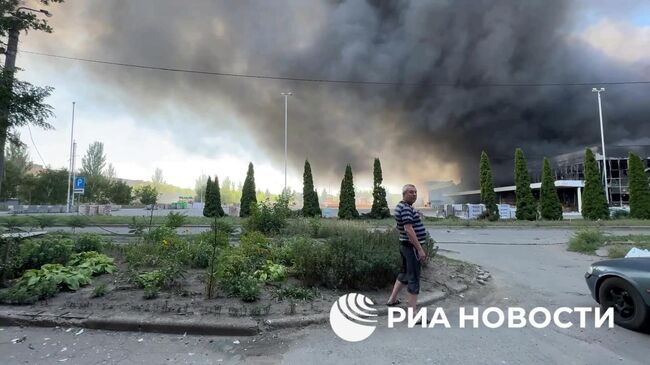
[188,298]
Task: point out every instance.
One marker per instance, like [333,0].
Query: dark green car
[623,284]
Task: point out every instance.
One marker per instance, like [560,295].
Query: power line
[36,148]
[334,81]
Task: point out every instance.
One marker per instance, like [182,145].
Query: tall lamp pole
[71,165]
[602,139]
[286,96]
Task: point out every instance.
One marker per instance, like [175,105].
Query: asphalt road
[529,269]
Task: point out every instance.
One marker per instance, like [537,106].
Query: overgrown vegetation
[587,241]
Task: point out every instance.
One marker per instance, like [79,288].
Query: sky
[192,124]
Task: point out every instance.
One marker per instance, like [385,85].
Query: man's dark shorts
[410,273]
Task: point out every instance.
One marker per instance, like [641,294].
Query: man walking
[412,236]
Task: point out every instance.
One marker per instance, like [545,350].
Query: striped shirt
[405,214]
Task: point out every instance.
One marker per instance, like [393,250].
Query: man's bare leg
[396,289]
[412,300]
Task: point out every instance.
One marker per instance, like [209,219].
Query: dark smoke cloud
[420,131]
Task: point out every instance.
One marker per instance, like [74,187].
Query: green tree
[639,189]
[549,202]
[94,162]
[212,207]
[97,190]
[157,177]
[199,188]
[594,203]
[17,164]
[379,208]
[50,187]
[120,192]
[20,102]
[208,208]
[148,195]
[347,204]
[216,192]
[110,173]
[488,197]
[248,195]
[526,204]
[310,206]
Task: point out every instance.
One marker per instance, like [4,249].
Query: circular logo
[351,317]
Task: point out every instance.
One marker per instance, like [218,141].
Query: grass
[64,220]
[589,240]
[621,245]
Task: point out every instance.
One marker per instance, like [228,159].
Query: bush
[222,227]
[13,222]
[323,228]
[363,261]
[586,241]
[295,293]
[137,227]
[100,290]
[44,221]
[49,250]
[620,214]
[29,294]
[77,221]
[357,259]
[89,242]
[160,248]
[163,278]
[175,220]
[271,272]
[95,263]
[245,286]
[308,257]
[268,218]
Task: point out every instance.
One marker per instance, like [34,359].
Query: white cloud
[619,40]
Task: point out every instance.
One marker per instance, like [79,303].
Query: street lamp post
[286,96]
[71,165]
[602,140]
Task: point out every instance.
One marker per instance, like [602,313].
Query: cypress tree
[550,206]
[594,203]
[347,205]
[310,206]
[488,197]
[208,206]
[248,195]
[379,205]
[216,192]
[526,205]
[639,189]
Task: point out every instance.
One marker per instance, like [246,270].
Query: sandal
[395,303]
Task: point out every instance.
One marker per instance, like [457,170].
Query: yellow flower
[165,243]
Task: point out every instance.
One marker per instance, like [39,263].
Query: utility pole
[602,140]
[71,164]
[74,177]
[286,95]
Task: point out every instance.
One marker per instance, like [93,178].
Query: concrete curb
[198,326]
[202,326]
[301,321]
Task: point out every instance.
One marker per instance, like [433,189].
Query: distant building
[568,170]
[437,191]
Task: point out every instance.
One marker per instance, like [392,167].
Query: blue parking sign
[79,184]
